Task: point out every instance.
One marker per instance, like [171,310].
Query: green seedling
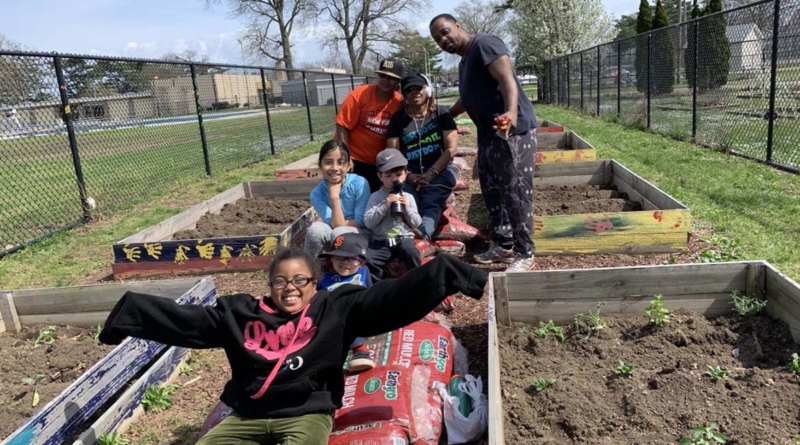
[728,250]
[590,322]
[46,337]
[112,439]
[35,382]
[158,398]
[186,369]
[747,306]
[623,369]
[549,328]
[704,435]
[97,332]
[659,315]
[795,364]
[718,373]
[541,384]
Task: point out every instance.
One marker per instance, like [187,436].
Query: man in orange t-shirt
[364,117]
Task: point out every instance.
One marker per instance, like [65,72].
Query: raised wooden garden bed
[669,390]
[67,413]
[155,251]
[662,226]
[549,127]
[556,147]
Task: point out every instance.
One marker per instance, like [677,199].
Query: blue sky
[150,28]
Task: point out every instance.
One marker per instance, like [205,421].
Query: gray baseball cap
[389,159]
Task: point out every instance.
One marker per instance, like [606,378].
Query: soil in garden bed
[248,217]
[551,200]
[73,351]
[668,392]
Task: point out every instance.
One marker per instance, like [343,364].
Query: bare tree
[361,24]
[270,24]
[481,16]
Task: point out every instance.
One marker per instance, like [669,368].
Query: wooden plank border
[127,409]
[496,433]
[66,413]
[9,318]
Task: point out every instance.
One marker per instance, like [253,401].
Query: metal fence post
[776,20]
[581,81]
[569,81]
[308,107]
[694,77]
[335,99]
[558,82]
[649,75]
[619,78]
[66,114]
[598,80]
[200,119]
[266,108]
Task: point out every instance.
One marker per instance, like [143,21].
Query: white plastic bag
[462,429]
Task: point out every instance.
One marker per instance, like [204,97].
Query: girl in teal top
[340,199]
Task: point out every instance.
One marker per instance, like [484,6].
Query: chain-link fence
[82,135]
[729,80]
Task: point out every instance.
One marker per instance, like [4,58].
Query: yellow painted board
[623,232]
[630,243]
[556,156]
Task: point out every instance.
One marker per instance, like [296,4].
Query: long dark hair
[331,145]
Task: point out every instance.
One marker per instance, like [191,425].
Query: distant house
[746,43]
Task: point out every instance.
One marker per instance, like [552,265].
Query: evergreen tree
[644,23]
[688,55]
[714,50]
[663,54]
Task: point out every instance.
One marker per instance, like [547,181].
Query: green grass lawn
[70,256]
[740,199]
[123,167]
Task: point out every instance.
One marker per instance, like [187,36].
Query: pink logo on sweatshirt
[271,344]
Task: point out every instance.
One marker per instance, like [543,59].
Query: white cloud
[180,46]
[203,47]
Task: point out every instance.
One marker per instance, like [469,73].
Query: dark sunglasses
[412,90]
[386,76]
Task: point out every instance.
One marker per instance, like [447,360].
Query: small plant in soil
[795,364]
[659,315]
[728,250]
[704,435]
[158,398]
[35,382]
[112,439]
[718,373]
[589,322]
[46,337]
[747,306]
[186,369]
[540,384]
[623,369]
[97,332]
[546,329]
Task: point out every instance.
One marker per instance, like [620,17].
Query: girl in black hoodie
[286,351]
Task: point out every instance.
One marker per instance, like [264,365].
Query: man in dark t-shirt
[490,92]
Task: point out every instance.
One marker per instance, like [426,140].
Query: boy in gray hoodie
[392,216]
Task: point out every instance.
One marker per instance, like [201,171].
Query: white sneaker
[521,264]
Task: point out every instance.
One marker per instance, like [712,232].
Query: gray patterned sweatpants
[505,168]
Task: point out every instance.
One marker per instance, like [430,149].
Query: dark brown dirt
[73,352]
[248,217]
[668,392]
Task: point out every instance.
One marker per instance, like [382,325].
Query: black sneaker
[360,361]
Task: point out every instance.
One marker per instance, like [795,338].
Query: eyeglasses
[386,76]
[412,90]
[281,283]
[347,259]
